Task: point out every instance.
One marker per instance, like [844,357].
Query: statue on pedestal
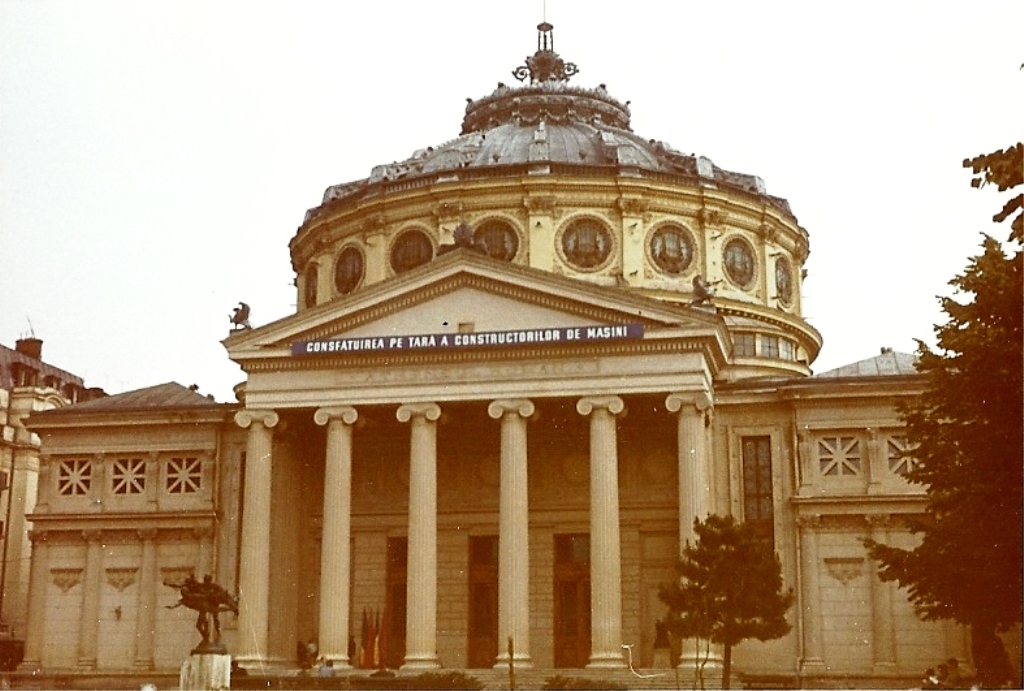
[209,600]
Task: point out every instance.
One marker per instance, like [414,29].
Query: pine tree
[965,435]
[729,589]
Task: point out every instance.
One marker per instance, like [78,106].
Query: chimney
[32,347]
[886,350]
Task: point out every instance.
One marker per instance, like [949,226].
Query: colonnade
[513,567]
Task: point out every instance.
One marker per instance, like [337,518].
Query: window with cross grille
[184,475]
[74,478]
[128,476]
[897,450]
[839,456]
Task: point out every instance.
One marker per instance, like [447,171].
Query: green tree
[965,434]
[729,589]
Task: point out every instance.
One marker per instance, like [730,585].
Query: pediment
[468,293]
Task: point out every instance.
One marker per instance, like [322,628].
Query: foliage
[1005,169]
[580,684]
[729,589]
[965,433]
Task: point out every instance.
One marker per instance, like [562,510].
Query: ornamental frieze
[448,212]
[121,578]
[844,569]
[540,204]
[66,579]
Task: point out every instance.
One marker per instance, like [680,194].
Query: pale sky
[156,157]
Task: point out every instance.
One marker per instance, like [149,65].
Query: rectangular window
[743,345]
[770,346]
[897,452]
[74,478]
[787,349]
[758,510]
[128,476]
[184,475]
[839,456]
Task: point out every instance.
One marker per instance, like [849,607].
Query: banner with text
[482,339]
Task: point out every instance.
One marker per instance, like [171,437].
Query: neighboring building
[523,361]
[27,385]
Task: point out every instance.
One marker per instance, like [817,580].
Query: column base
[518,662]
[812,666]
[420,664]
[606,661]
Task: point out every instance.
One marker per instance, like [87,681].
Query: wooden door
[392,640]
[483,601]
[572,600]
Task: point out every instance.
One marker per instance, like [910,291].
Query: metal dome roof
[547,121]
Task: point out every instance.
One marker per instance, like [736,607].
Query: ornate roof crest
[545,65]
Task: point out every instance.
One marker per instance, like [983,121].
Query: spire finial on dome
[545,65]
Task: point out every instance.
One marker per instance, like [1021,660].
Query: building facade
[27,385]
[523,362]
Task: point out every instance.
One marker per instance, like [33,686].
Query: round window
[739,262]
[312,275]
[498,239]
[410,250]
[671,249]
[784,280]
[348,270]
[586,243]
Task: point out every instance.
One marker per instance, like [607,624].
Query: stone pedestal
[205,672]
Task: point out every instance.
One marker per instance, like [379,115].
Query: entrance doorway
[483,601]
[392,643]
[572,600]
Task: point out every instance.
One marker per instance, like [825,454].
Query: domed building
[523,361]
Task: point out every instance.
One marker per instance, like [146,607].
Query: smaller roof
[885,364]
[169,395]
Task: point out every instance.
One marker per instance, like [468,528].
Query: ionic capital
[699,400]
[521,406]
[245,417]
[428,411]
[346,414]
[587,405]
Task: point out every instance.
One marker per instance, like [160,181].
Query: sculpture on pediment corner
[209,601]
[703,291]
[240,318]
[463,238]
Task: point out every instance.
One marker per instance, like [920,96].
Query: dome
[547,121]
[549,175]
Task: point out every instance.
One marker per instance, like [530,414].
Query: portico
[561,417]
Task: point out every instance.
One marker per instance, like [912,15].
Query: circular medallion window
[671,249]
[410,250]
[498,239]
[348,270]
[739,262]
[586,243]
[784,280]
[309,289]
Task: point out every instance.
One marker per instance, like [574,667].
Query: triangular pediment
[465,292]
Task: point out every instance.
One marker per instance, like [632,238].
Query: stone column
[39,583]
[145,619]
[335,545]
[421,593]
[254,557]
[812,662]
[513,537]
[605,545]
[695,500]
[92,581]
[694,410]
[883,641]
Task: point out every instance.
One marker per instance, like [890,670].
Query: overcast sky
[157,157]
